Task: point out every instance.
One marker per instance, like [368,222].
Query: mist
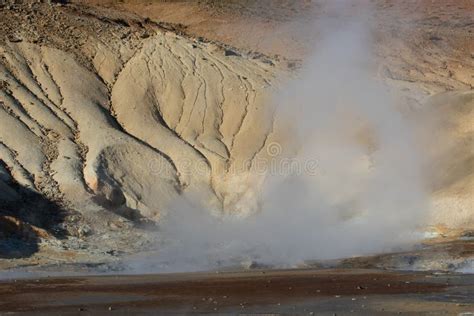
[365,195]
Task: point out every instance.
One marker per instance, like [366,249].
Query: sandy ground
[284,28]
[291,292]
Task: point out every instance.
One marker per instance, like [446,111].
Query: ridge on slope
[117,127]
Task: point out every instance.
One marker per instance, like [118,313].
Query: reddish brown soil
[300,290]
[283,27]
[425,43]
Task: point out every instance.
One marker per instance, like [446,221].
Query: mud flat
[303,292]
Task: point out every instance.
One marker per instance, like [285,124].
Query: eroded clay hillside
[112,118]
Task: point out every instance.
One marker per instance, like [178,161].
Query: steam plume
[367,194]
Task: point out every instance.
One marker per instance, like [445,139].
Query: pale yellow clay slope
[205,111]
[178,116]
[451,156]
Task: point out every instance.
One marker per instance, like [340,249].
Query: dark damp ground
[292,292]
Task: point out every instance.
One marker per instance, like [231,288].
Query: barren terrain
[303,292]
[111,110]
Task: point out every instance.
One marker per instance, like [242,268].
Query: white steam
[367,194]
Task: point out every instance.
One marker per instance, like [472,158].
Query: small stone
[230,52]
[14,38]
[435,38]
[113,225]
[84,231]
